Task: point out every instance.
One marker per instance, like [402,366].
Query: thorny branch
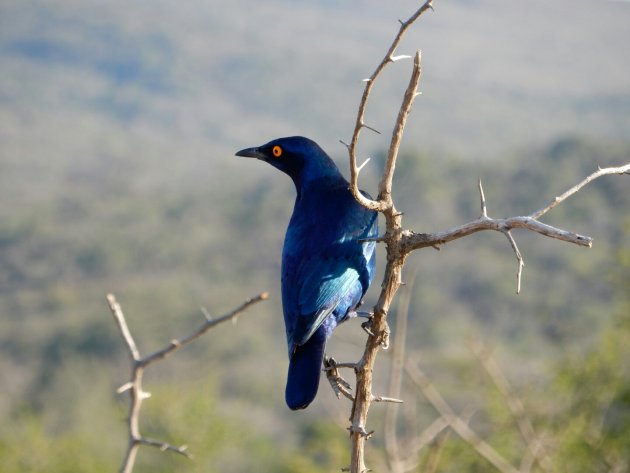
[400,243]
[138,364]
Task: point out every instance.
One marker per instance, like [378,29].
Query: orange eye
[277,151]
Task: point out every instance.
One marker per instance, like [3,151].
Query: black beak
[251,153]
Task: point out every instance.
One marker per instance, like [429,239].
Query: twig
[392,281]
[400,243]
[360,121]
[459,426]
[138,364]
[561,198]
[207,325]
[515,405]
[392,447]
[412,241]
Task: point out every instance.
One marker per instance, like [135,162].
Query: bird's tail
[305,368]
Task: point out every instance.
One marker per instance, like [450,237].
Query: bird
[328,257]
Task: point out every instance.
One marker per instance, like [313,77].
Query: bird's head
[302,159]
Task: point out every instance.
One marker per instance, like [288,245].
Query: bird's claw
[364,314]
[337,383]
[367,326]
[383,337]
[361,431]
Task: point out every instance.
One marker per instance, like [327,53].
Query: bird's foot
[361,431]
[364,314]
[367,325]
[339,385]
[383,336]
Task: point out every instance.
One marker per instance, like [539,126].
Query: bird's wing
[325,279]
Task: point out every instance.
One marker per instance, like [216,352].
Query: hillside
[118,125]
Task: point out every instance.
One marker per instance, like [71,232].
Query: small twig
[363,165]
[119,317]
[515,405]
[392,447]
[138,364]
[591,177]
[435,432]
[207,325]
[519,259]
[484,209]
[163,446]
[360,120]
[392,400]
[459,426]
[385,187]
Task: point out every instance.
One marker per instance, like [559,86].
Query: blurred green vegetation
[118,122]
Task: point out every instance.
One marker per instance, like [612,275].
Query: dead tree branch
[400,243]
[392,445]
[138,364]
[515,405]
[456,423]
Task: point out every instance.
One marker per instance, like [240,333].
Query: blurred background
[118,125]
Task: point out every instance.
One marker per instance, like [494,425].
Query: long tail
[305,368]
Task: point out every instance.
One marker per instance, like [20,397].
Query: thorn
[385,338]
[484,209]
[206,314]
[399,57]
[366,326]
[361,431]
[387,399]
[344,143]
[144,395]
[124,387]
[363,165]
[366,80]
[370,128]
[417,94]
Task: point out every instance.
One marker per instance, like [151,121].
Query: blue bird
[327,264]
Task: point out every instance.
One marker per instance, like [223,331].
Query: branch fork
[400,243]
[138,364]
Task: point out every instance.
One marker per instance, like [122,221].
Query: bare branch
[515,405]
[163,446]
[207,325]
[459,426]
[400,243]
[138,364]
[413,241]
[392,447]
[385,187]
[561,198]
[369,84]
[119,317]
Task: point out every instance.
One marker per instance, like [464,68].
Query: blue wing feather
[327,268]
